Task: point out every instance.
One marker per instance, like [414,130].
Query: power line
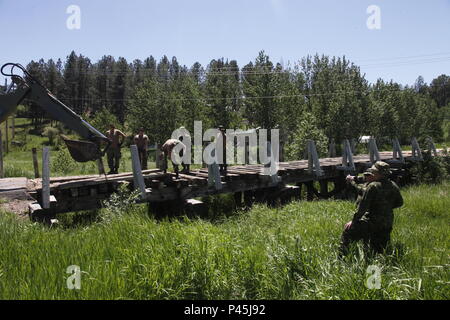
[242,97]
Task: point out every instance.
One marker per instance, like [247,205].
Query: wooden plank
[101,180]
[10,184]
[34,207]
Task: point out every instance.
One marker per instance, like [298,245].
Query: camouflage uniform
[374,217]
[360,186]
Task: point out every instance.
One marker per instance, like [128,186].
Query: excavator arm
[30,88]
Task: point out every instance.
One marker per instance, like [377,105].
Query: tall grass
[282,253]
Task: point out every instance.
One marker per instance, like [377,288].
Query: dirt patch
[19,207]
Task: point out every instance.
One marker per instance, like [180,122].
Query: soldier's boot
[177,174]
[185,168]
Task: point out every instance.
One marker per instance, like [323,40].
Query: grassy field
[263,253]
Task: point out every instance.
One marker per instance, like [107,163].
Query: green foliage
[432,169]
[51,133]
[164,95]
[307,129]
[61,162]
[119,203]
[151,109]
[102,119]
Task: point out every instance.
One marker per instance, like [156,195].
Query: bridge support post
[313,159]
[299,185]
[309,190]
[347,157]
[353,145]
[373,151]
[248,198]
[138,178]
[323,188]
[431,146]
[397,153]
[416,152]
[214,176]
[238,199]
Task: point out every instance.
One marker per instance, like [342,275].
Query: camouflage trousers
[375,239]
[113,155]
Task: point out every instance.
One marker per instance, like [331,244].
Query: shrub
[306,130]
[432,170]
[62,162]
[51,133]
[119,203]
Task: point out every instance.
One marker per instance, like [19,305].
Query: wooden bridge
[321,178]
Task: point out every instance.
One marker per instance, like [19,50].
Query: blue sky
[413,39]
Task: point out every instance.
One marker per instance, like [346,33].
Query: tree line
[318,97]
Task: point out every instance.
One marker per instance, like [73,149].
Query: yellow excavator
[27,87]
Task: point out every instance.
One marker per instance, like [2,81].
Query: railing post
[347,156]
[431,146]
[313,159]
[416,152]
[397,151]
[373,151]
[138,178]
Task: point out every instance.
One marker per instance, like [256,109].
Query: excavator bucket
[83,151]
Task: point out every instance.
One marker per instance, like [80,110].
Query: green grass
[283,253]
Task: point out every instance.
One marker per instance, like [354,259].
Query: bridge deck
[87,192]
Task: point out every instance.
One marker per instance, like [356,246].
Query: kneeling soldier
[374,217]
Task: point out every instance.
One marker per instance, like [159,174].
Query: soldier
[141,142]
[167,148]
[185,135]
[374,217]
[360,184]
[113,153]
